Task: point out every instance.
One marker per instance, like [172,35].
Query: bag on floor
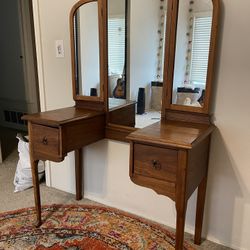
[23,175]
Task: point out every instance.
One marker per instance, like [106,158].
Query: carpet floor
[12,201]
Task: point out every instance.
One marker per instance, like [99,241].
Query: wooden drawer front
[155,162]
[45,140]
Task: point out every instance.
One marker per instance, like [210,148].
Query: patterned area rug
[81,227]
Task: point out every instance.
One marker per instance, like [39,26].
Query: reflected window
[116,44]
[200,50]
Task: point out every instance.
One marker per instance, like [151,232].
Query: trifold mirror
[141,58]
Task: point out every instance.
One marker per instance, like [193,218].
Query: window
[202,24]
[116,45]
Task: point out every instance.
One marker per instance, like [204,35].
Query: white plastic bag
[23,175]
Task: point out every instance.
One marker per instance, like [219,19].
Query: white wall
[228,199]
[227,213]
[51,24]
[144,42]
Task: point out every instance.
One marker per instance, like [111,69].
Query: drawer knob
[156,164]
[45,140]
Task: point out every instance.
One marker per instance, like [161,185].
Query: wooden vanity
[169,156]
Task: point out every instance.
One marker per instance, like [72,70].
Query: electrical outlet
[59,49]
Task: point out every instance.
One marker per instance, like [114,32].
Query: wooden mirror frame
[92,102]
[170,55]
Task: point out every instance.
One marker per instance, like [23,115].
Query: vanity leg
[181,201]
[180,225]
[34,167]
[78,173]
[200,210]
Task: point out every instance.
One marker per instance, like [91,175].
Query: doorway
[18,71]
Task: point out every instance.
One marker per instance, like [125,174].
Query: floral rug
[81,227]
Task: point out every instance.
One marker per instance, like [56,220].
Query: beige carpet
[12,201]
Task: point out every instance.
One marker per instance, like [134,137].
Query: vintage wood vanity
[171,155]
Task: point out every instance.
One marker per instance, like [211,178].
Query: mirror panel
[117,51]
[192,52]
[140,82]
[87,53]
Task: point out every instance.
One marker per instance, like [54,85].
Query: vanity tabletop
[62,116]
[173,134]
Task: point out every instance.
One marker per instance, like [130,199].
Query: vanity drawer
[45,140]
[155,162]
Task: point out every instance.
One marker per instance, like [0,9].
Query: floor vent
[14,117]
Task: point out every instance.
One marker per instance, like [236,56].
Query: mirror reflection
[117,50]
[87,70]
[192,52]
[136,63]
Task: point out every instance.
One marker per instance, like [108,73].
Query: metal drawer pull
[45,140]
[156,164]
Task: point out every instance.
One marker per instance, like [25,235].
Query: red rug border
[149,222]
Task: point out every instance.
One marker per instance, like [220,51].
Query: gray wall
[11,71]
[18,83]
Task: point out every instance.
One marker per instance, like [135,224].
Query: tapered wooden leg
[181,201]
[34,168]
[180,224]
[78,173]
[200,210]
